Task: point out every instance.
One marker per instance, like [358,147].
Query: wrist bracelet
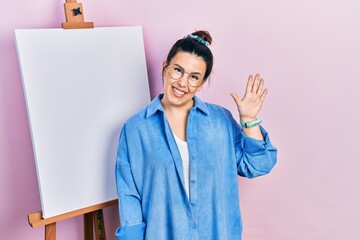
[250,124]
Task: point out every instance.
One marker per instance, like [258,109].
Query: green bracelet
[251,124]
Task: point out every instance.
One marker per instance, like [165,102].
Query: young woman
[179,157]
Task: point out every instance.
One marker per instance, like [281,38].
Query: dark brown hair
[191,45]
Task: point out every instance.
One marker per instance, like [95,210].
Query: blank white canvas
[80,86]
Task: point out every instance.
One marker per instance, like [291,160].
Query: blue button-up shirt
[150,182]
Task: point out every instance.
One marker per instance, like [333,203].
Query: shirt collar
[156,105]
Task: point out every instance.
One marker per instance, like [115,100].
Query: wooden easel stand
[93,216]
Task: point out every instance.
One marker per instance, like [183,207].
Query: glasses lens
[175,72]
[195,80]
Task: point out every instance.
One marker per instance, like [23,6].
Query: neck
[177,117]
[174,109]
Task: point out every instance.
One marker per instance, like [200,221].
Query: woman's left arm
[255,155]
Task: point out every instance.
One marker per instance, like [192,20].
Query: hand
[250,105]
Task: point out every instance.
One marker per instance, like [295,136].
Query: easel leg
[50,231]
[99,225]
[88,226]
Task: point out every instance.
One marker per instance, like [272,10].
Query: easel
[93,216]
[74,16]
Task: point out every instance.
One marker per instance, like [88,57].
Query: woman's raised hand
[250,105]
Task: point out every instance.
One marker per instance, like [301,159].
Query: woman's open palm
[250,105]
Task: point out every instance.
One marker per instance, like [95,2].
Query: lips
[178,93]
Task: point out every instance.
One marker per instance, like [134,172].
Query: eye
[194,77]
[178,70]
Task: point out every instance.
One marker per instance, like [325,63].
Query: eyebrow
[184,69]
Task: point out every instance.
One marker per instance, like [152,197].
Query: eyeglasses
[176,72]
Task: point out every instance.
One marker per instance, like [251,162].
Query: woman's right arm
[132,225]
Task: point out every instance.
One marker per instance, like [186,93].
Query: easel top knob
[74,15]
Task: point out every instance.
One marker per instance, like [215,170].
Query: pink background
[309,55]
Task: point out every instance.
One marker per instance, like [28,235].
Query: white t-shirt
[183,149]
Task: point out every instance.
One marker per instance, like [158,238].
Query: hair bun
[205,35]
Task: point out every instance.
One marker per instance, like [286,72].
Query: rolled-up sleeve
[132,226]
[254,157]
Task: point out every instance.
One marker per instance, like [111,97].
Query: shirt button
[193,181]
[193,203]
[193,225]
[193,157]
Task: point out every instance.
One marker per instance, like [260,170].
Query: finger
[261,86]
[263,95]
[256,83]
[250,83]
[236,98]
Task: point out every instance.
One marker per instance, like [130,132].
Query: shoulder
[210,108]
[137,116]
[136,119]
[217,110]
[220,116]
[145,115]
[219,119]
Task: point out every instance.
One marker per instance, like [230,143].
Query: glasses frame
[188,77]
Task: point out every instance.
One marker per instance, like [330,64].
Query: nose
[183,80]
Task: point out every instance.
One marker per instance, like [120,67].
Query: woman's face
[179,93]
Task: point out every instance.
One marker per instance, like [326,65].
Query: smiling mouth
[178,92]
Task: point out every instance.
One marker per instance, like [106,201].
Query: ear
[163,69]
[163,64]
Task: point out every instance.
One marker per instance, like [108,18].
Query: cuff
[132,232]
[252,145]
